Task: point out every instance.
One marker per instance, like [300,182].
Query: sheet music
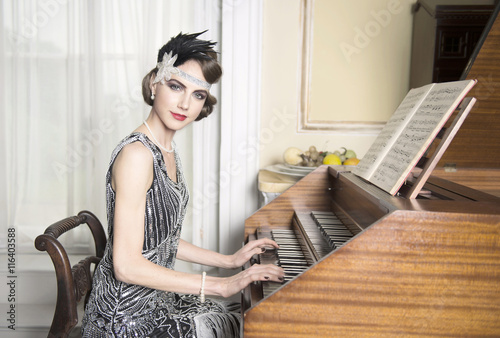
[418,134]
[375,154]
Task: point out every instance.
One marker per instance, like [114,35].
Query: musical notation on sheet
[416,136]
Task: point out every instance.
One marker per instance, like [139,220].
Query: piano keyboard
[324,232]
[290,256]
[332,228]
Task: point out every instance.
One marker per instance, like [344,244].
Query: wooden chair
[72,283]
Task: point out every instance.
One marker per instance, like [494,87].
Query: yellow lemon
[332,159]
[351,161]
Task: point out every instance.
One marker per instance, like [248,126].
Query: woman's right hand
[257,272]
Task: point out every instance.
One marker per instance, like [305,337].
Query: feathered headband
[185,47]
[166,69]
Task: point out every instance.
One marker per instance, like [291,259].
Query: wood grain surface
[477,144]
[307,194]
[410,274]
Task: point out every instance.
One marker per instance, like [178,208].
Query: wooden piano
[372,264]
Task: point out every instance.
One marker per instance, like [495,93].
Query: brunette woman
[136,291]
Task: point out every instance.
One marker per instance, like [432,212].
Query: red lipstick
[179,117]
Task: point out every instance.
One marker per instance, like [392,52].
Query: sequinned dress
[118,309]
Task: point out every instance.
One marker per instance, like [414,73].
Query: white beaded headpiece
[166,68]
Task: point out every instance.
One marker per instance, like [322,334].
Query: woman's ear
[152,86]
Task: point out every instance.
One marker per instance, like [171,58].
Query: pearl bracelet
[202,291]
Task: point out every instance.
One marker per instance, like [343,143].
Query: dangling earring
[152,96]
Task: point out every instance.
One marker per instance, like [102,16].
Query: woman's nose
[184,102]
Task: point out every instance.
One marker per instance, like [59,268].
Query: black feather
[186,47]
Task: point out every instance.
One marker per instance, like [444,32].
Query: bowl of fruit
[299,163]
[312,158]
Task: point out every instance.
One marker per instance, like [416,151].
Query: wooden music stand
[413,190]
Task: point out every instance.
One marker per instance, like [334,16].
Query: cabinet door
[454,47]
[450,53]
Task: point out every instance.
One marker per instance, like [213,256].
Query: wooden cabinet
[444,38]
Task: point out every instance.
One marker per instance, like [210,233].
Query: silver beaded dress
[118,309]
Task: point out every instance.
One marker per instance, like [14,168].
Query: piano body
[416,267]
[428,266]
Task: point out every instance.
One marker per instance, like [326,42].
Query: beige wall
[371,84]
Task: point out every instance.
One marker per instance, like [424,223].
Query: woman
[136,292]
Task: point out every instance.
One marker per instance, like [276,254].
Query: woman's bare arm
[132,176]
[191,253]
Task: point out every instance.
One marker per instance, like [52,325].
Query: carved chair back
[73,283]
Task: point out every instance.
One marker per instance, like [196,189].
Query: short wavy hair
[188,47]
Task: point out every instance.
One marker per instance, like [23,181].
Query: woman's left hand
[259,246]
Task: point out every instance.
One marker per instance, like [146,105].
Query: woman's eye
[200,96]
[175,87]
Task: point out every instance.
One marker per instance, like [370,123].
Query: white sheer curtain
[71,89]
[240,118]
[225,186]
